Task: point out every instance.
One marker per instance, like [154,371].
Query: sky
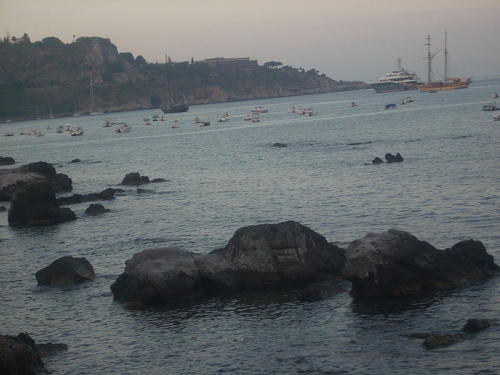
[350,40]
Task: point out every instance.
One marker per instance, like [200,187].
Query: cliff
[50,75]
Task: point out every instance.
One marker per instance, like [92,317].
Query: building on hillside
[231,65]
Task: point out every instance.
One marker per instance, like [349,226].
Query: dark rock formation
[36,204]
[377,160]
[157,180]
[256,258]
[13,179]
[7,160]
[476,325]
[279,145]
[135,179]
[22,356]
[75,161]
[107,194]
[397,263]
[66,270]
[18,356]
[393,158]
[96,209]
[439,340]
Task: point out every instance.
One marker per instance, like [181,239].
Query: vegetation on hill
[51,75]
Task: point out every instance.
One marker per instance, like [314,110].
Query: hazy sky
[345,39]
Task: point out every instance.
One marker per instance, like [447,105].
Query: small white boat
[494,95]
[259,109]
[174,126]
[248,117]
[123,128]
[78,130]
[108,122]
[496,118]
[175,119]
[292,109]
[225,117]
[307,111]
[9,134]
[39,134]
[353,104]
[255,117]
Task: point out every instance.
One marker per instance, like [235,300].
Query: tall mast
[429,58]
[445,58]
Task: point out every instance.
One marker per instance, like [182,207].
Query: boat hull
[440,86]
[391,87]
[175,108]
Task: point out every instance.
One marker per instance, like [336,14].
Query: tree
[273,64]
[140,60]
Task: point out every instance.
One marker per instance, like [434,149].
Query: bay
[228,175]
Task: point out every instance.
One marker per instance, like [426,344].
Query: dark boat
[175,108]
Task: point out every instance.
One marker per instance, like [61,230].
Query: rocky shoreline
[257,258]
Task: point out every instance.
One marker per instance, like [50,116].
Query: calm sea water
[226,176]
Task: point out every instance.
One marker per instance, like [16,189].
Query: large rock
[396,263]
[257,257]
[18,357]
[35,204]
[66,270]
[135,178]
[12,180]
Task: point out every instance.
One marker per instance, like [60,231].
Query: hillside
[50,75]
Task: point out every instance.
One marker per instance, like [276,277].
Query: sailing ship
[447,83]
[93,111]
[174,106]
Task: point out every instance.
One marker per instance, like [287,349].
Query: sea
[228,175]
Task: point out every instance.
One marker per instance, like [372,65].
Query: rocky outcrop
[96,209]
[13,179]
[393,158]
[36,204]
[106,194]
[257,257]
[134,179]
[65,271]
[7,160]
[439,340]
[18,357]
[396,263]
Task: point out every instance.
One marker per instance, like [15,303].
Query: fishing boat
[397,80]
[447,83]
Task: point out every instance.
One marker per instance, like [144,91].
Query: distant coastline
[50,76]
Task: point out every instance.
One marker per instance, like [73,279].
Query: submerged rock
[396,263]
[476,325]
[393,158]
[256,258]
[106,194]
[66,270]
[96,209]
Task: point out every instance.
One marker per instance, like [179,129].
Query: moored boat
[397,80]
[123,128]
[175,108]
[259,109]
[75,131]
